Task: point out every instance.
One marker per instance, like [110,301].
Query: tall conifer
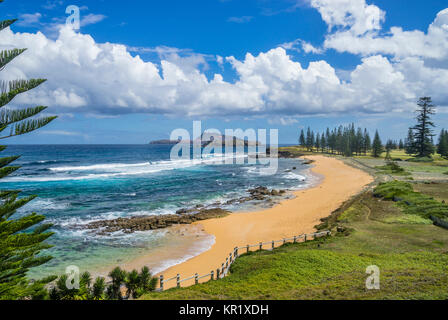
[22,238]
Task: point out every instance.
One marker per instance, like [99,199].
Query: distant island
[165,141]
[206,140]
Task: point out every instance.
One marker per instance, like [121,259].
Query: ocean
[79,184]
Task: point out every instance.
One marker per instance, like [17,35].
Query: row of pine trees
[343,140]
[349,141]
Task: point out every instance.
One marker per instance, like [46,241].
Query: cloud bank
[105,78]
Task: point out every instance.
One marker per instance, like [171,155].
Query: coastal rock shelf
[133,224]
[182,216]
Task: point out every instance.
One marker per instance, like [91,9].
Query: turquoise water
[78,184]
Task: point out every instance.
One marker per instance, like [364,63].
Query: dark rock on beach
[307,161]
[133,224]
[182,216]
[261,193]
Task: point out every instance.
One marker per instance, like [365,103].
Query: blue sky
[195,36]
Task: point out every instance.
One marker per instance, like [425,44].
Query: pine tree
[359,142]
[367,142]
[317,142]
[302,141]
[409,143]
[423,130]
[389,145]
[442,148]
[323,143]
[328,139]
[309,140]
[377,146]
[312,142]
[401,145]
[21,239]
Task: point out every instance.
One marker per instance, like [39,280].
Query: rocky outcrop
[259,194]
[182,216]
[133,224]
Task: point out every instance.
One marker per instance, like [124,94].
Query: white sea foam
[100,167]
[294,176]
[44,204]
[111,170]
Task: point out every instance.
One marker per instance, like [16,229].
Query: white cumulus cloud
[106,79]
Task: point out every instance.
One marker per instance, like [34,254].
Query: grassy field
[411,253]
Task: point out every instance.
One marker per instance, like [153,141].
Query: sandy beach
[290,217]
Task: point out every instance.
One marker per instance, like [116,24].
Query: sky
[135,71]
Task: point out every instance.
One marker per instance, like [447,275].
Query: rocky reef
[133,224]
[182,216]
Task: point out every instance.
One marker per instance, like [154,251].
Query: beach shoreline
[290,217]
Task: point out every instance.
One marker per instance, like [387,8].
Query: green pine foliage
[302,142]
[442,147]
[21,239]
[377,146]
[346,141]
[422,144]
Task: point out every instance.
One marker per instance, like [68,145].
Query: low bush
[421,159]
[439,222]
[393,168]
[410,201]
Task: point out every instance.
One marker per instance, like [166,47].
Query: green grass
[408,219]
[411,253]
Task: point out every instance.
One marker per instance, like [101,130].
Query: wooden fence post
[305,238]
[230,258]
[295,239]
[161,282]
[196,278]
[261,246]
[227,262]
[212,275]
[217,274]
[273,244]
[284,241]
[222,269]
[248,248]
[178,280]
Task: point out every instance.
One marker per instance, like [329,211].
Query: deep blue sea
[78,184]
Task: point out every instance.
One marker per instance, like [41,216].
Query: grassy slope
[411,253]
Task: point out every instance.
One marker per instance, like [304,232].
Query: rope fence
[223,270]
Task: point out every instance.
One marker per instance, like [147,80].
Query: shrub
[410,201]
[421,159]
[439,222]
[393,168]
[394,189]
